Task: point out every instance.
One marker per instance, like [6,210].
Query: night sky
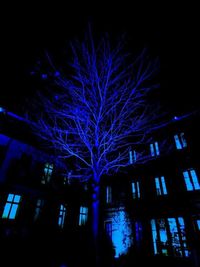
[30,31]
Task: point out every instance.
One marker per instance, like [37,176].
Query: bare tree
[99,109]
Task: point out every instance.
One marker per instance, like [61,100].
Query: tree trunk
[95,218]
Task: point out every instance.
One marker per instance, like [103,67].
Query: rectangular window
[132,156]
[135,190]
[48,170]
[154,149]
[169,237]
[198,224]
[39,206]
[191,180]
[83,217]
[160,186]
[61,217]
[11,207]
[180,141]
[108,194]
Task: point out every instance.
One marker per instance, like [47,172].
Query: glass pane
[154,235]
[177,142]
[10,197]
[163,185]
[13,211]
[17,198]
[195,179]
[157,149]
[188,183]
[152,150]
[6,210]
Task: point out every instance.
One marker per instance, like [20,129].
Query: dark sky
[27,32]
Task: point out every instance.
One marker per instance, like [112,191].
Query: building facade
[150,211]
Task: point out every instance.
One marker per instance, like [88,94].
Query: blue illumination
[135,190]
[48,170]
[56,73]
[38,209]
[132,156]
[154,148]
[61,217]
[83,217]
[191,180]
[198,224]
[2,109]
[11,207]
[108,194]
[176,118]
[180,141]
[160,186]
[161,237]
[121,234]
[44,76]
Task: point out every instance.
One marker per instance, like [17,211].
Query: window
[61,217]
[108,194]
[169,237]
[11,207]
[48,169]
[198,224]
[39,205]
[160,186]
[118,227]
[132,156]
[135,190]
[154,149]
[191,180]
[180,141]
[83,215]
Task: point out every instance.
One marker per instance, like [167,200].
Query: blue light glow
[191,180]
[122,237]
[180,141]
[83,216]
[161,237]
[11,207]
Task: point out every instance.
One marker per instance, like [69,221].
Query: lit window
[11,207]
[154,149]
[83,215]
[135,190]
[119,229]
[169,237]
[180,141]
[160,186]
[191,180]
[198,224]
[132,156]
[61,217]
[108,194]
[39,205]
[48,169]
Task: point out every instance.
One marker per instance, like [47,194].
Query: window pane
[10,197]
[157,149]
[158,189]
[163,185]
[6,210]
[17,198]
[195,179]
[187,181]
[177,142]
[13,211]
[154,235]
[152,150]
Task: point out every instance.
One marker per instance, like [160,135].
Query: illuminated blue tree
[98,110]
